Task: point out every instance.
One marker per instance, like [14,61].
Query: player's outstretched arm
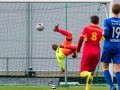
[72,47]
[106,29]
[80,41]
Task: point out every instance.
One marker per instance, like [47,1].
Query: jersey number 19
[116,30]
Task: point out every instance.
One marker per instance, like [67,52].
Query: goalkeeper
[91,50]
[64,49]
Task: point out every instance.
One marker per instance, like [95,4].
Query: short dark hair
[116,9]
[54,47]
[95,19]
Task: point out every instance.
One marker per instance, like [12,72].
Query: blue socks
[108,78]
[118,79]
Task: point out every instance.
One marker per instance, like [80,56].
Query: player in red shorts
[64,49]
[91,50]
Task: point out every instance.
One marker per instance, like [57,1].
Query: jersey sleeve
[81,39]
[72,47]
[83,32]
[106,28]
[102,39]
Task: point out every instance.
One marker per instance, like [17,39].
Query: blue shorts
[111,54]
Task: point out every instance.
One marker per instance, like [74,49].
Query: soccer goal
[26,56]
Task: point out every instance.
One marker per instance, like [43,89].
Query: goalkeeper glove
[74,55]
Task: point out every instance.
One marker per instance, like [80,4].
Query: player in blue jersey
[111,48]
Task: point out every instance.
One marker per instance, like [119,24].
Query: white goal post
[87,1]
[110,15]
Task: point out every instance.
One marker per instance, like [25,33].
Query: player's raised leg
[68,40]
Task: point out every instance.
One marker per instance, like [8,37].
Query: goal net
[26,53]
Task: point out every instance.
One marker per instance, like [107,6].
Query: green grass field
[49,88]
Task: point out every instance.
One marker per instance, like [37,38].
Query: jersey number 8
[94,36]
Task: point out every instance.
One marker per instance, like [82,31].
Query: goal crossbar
[87,1]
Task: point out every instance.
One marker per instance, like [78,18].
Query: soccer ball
[40,26]
[53,86]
